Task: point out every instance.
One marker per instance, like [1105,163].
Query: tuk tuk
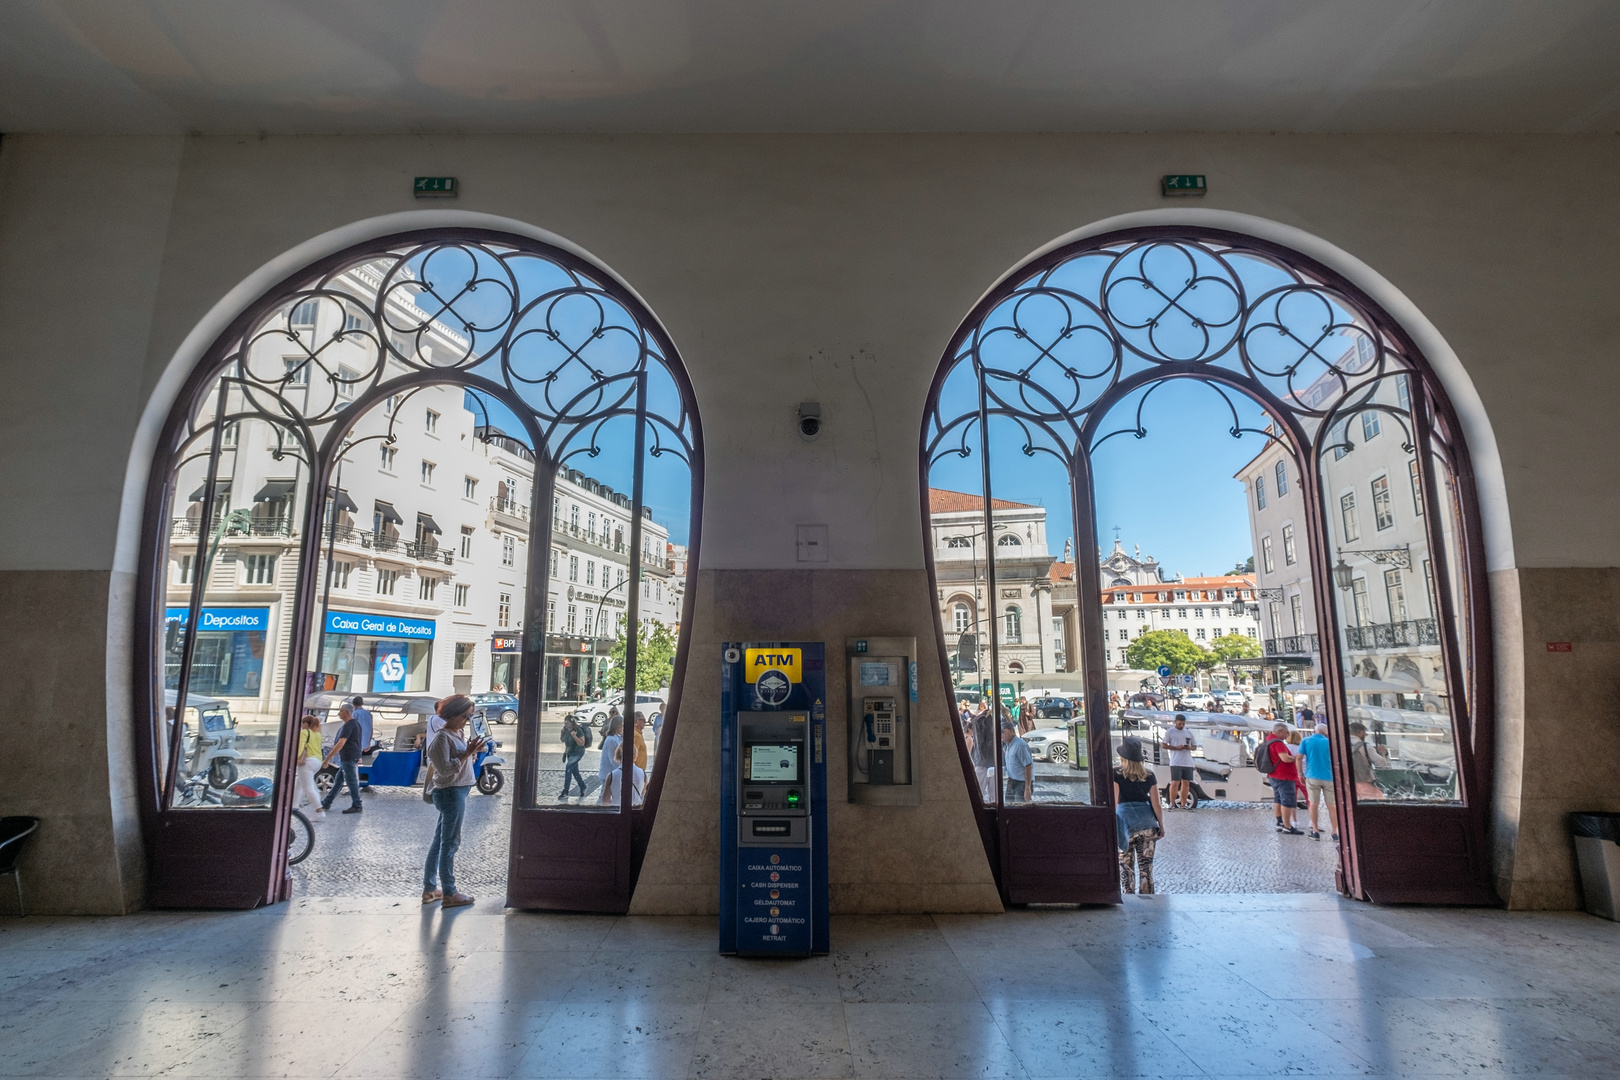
[397,761]
[207,737]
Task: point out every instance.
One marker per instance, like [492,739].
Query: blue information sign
[225,619]
[1164,671]
[361,624]
[388,669]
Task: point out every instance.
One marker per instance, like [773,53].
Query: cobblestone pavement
[380,852]
[1238,850]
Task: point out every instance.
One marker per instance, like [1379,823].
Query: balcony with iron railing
[1294,645]
[382,542]
[512,508]
[596,540]
[1412,633]
[279,528]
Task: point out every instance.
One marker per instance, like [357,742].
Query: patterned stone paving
[380,852]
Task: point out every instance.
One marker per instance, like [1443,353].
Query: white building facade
[424,546]
[1379,548]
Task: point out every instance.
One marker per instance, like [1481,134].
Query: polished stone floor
[1232,986]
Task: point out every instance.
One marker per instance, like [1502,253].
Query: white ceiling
[351,66]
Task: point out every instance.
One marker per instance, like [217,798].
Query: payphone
[773,799]
[882,696]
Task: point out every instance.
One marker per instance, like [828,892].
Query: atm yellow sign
[789,662]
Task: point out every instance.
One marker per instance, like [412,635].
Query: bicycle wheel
[300,838]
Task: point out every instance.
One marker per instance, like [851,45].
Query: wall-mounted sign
[1560,646]
[1183,184]
[388,669]
[364,625]
[435,187]
[223,619]
[505,643]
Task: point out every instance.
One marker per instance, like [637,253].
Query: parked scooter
[248,793]
[401,764]
[209,736]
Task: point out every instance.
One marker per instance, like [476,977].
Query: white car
[1049,744]
[595,713]
[1235,699]
[1196,700]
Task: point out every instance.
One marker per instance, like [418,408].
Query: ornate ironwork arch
[574,358]
[1091,330]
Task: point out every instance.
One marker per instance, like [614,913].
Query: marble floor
[1173,986]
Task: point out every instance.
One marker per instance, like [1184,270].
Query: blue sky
[1171,492]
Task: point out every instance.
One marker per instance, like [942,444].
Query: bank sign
[224,619]
[362,625]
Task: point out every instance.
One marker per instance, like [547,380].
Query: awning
[341,501]
[274,489]
[426,523]
[220,488]
[386,509]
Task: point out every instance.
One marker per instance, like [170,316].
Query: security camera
[809,420]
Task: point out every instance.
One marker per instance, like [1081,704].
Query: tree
[1244,567]
[1230,647]
[1173,647]
[655,659]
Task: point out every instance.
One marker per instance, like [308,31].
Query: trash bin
[1597,849]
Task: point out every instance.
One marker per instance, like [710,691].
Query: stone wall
[787,269]
[881,858]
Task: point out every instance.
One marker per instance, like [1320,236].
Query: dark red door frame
[1399,853]
[212,857]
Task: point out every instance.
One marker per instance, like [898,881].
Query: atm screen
[773,761]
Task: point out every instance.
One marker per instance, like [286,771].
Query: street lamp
[597,619]
[1343,576]
[978,607]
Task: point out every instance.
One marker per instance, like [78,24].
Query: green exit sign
[435,187]
[1183,184]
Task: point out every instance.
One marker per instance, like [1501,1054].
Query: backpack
[1263,761]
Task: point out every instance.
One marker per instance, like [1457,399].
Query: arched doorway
[1386,622]
[456,460]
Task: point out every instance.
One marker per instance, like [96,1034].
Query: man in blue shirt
[1017,765]
[362,716]
[1317,755]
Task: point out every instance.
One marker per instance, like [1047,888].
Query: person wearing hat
[1138,817]
[1017,765]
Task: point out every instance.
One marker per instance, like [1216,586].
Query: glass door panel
[956,527]
[233,563]
[1045,757]
[1397,698]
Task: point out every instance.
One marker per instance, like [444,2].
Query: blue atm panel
[773,894]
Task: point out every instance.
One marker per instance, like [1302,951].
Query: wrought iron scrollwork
[568,353]
[562,342]
[1088,330]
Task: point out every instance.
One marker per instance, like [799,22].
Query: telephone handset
[879,723]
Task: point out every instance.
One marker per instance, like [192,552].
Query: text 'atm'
[773,799]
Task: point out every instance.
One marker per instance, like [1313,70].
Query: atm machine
[773,799]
